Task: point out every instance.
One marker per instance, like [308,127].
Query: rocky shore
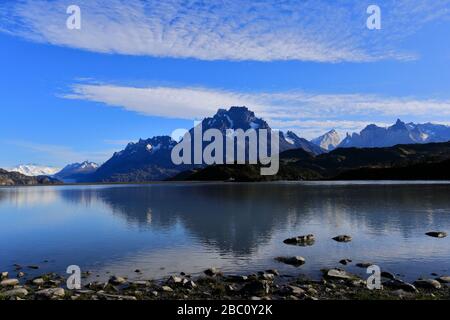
[335,284]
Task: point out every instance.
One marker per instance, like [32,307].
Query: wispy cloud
[265,30]
[306,112]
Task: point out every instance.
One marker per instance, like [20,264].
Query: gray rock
[51,292]
[212,272]
[117,280]
[4,275]
[273,271]
[9,282]
[237,278]
[33,267]
[166,289]
[428,284]
[399,284]
[339,274]
[175,280]
[444,279]
[306,240]
[20,274]
[345,261]
[294,261]
[402,293]
[116,297]
[343,238]
[257,287]
[436,234]
[17,292]
[295,290]
[189,284]
[38,282]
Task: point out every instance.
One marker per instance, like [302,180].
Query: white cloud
[311,114]
[265,30]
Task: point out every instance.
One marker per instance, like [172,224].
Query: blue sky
[142,68]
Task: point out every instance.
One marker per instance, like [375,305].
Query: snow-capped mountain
[75,172]
[295,142]
[399,133]
[150,159]
[35,170]
[329,141]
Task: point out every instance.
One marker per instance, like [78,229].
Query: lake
[168,228]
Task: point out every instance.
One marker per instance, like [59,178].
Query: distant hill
[17,179]
[408,162]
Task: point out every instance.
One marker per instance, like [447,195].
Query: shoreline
[335,284]
[199,182]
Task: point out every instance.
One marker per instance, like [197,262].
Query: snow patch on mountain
[35,170]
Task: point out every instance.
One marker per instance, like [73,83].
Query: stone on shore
[4,275]
[343,238]
[166,289]
[175,280]
[17,292]
[436,234]
[38,281]
[305,240]
[294,261]
[428,284]
[400,284]
[444,279]
[9,282]
[117,280]
[339,274]
[236,278]
[257,287]
[51,293]
[212,272]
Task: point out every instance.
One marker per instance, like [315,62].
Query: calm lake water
[165,229]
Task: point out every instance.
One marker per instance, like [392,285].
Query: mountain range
[374,136]
[34,170]
[150,159]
